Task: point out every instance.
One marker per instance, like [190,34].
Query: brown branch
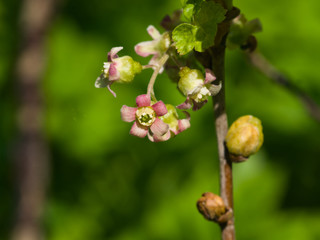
[32,155]
[262,64]
[221,124]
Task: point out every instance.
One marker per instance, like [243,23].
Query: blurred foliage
[106,184]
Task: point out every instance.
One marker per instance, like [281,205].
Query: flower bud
[127,68]
[191,81]
[196,87]
[117,69]
[211,206]
[244,138]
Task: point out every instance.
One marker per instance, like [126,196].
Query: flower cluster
[152,118]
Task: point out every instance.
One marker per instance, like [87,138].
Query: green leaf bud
[244,138]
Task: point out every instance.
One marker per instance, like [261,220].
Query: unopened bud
[211,206]
[244,138]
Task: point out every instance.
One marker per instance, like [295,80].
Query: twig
[221,124]
[261,63]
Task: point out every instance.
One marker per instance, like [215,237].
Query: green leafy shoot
[201,32]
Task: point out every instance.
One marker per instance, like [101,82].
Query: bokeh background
[106,184]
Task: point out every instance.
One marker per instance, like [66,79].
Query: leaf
[207,18]
[190,8]
[201,34]
[210,13]
[184,36]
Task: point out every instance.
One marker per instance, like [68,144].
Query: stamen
[146,116]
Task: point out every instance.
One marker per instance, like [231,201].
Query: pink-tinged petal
[198,105]
[143,100]
[150,136]
[106,67]
[138,130]
[110,90]
[145,49]
[214,89]
[154,61]
[159,127]
[183,124]
[185,105]
[210,77]
[160,108]
[113,53]
[128,114]
[153,32]
[156,138]
[113,73]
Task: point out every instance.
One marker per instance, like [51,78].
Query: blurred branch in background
[32,155]
[262,64]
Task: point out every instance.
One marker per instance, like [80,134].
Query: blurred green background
[106,184]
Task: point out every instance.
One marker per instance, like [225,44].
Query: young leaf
[184,36]
[201,34]
[190,8]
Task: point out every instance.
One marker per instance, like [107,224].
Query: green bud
[127,68]
[191,81]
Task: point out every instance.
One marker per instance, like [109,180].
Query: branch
[262,64]
[221,124]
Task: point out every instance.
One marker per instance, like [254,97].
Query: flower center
[202,95]
[145,116]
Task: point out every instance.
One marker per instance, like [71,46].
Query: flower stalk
[152,81]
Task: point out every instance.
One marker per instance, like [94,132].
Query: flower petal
[185,105]
[159,127]
[159,108]
[210,77]
[153,32]
[146,48]
[154,61]
[156,138]
[113,53]
[183,124]
[198,105]
[214,89]
[128,114]
[106,67]
[138,131]
[143,100]
[110,90]
[113,73]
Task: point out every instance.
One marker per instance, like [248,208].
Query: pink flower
[176,125]
[117,69]
[157,47]
[146,118]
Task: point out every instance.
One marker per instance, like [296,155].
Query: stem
[221,124]
[261,63]
[161,62]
